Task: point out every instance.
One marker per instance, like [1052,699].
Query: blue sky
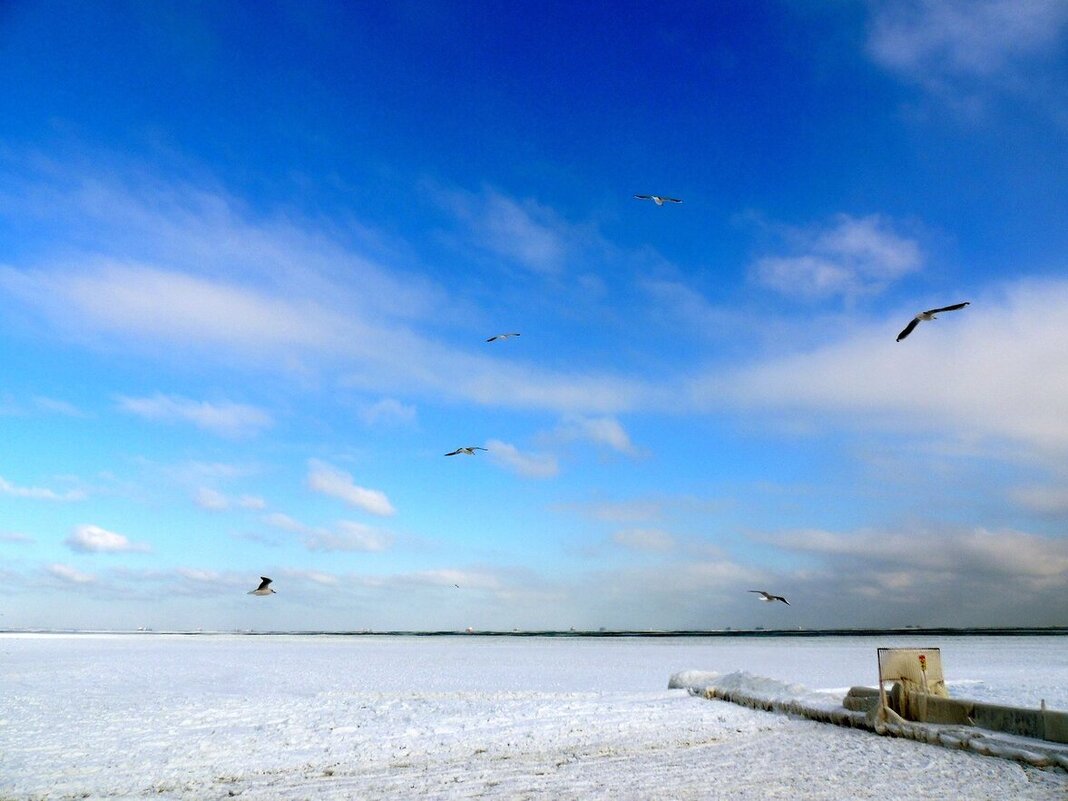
[250,255]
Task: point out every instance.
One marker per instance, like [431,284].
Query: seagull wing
[644,197]
[780,598]
[453,453]
[954,307]
[908,328]
[760,592]
[671,199]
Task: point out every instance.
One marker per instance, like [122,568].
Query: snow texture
[278,717]
[758,692]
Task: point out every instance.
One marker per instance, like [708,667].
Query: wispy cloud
[605,431]
[192,472]
[189,271]
[954,373]
[285,523]
[224,418]
[1044,500]
[525,232]
[913,560]
[314,576]
[336,483]
[530,465]
[628,511]
[349,536]
[198,575]
[463,579]
[644,539]
[94,539]
[70,575]
[686,311]
[849,257]
[39,493]
[924,39]
[388,411]
[346,535]
[961,51]
[213,500]
[56,406]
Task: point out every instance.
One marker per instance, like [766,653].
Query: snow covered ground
[279,717]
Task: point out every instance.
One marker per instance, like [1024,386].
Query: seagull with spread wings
[263,589]
[495,337]
[659,200]
[767,596]
[469,450]
[927,315]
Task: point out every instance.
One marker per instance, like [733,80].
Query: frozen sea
[456,717]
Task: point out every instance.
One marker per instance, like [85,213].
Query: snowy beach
[274,717]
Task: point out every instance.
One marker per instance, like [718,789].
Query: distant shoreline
[1051,631]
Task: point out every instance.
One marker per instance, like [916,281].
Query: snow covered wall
[758,692]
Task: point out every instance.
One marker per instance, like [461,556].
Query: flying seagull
[659,200]
[767,596]
[927,315]
[263,589]
[501,336]
[470,450]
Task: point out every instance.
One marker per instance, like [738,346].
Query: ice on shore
[758,692]
[373,718]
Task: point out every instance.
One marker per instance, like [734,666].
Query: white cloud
[188,272]
[346,535]
[286,523]
[58,407]
[251,502]
[388,411]
[224,418]
[955,557]
[632,511]
[89,538]
[70,574]
[193,472]
[682,307]
[644,539]
[527,233]
[528,465]
[988,370]
[162,305]
[964,52]
[200,582]
[202,576]
[314,576]
[213,500]
[39,493]
[449,577]
[328,480]
[1044,500]
[606,431]
[349,536]
[850,257]
[927,38]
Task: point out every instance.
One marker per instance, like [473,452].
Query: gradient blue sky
[250,253]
